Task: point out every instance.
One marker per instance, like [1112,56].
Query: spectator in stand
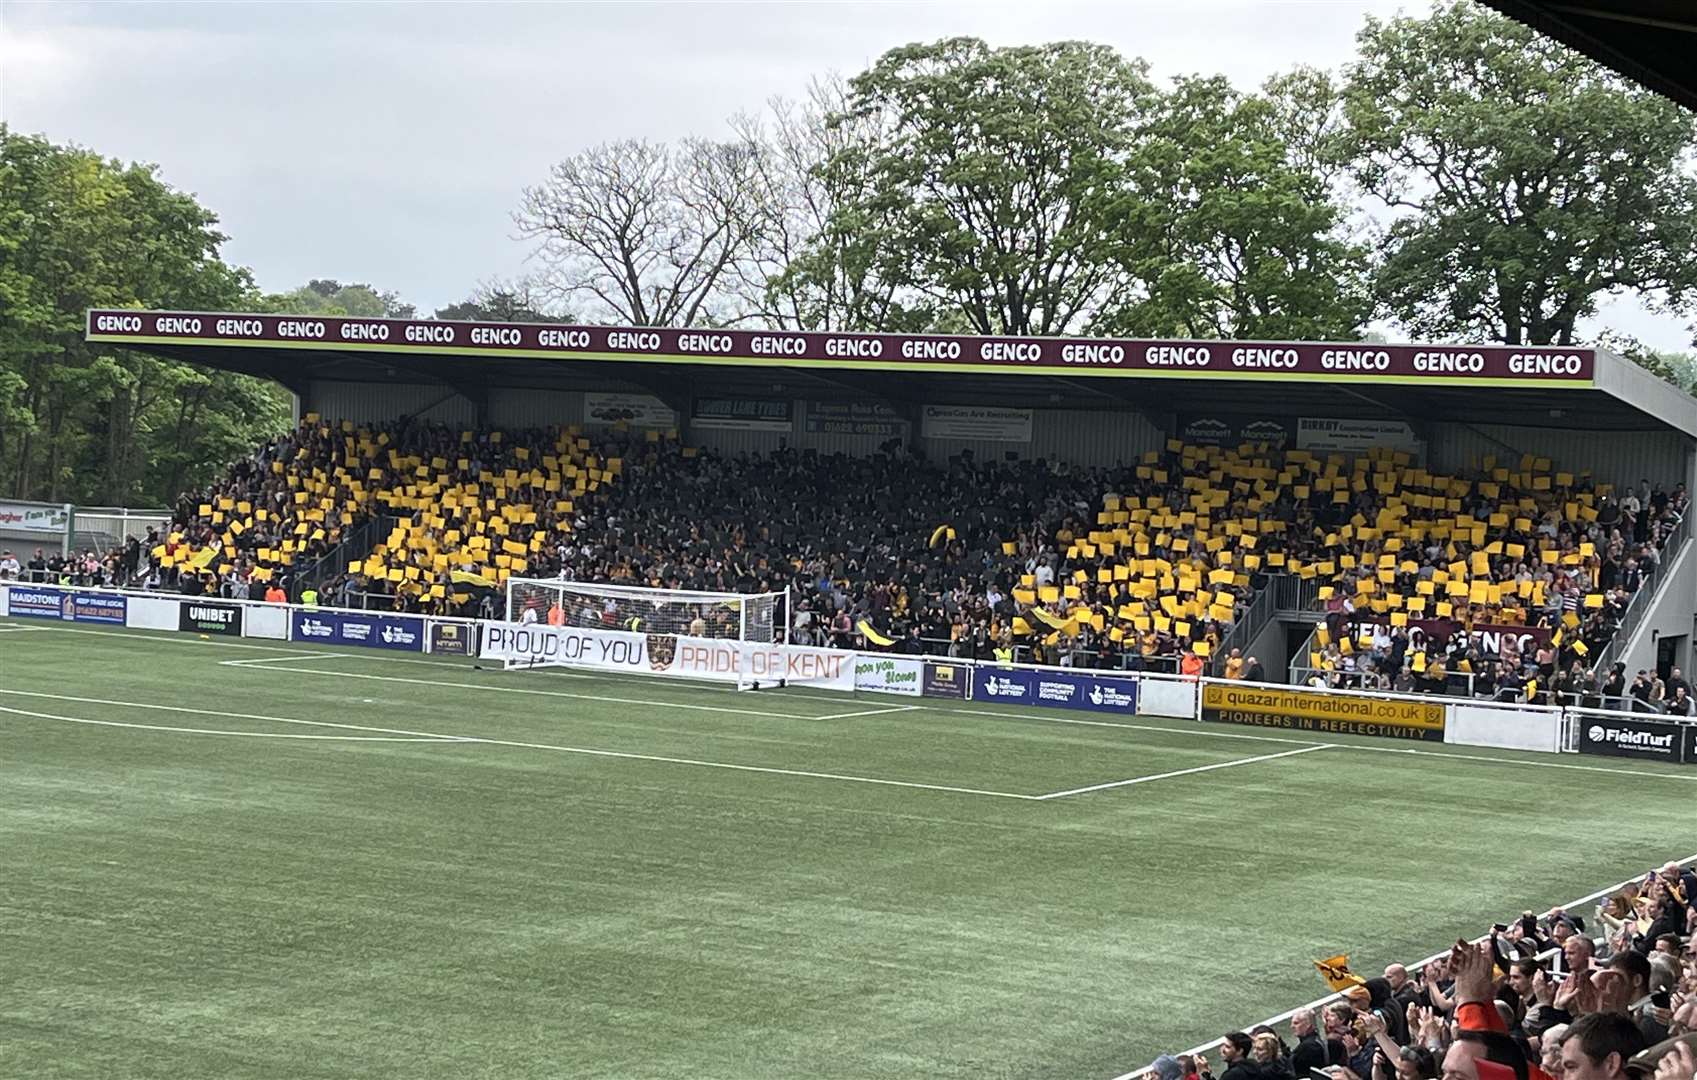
[1235,1050]
[1598,1046]
[10,568]
[1234,665]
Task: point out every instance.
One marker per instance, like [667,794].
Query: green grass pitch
[550,874]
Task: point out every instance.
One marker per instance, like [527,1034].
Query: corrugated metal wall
[535,408]
[368,403]
[1084,437]
[1617,457]
[1075,436]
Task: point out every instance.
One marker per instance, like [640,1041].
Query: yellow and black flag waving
[1335,970]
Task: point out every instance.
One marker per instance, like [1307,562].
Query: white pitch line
[754,768]
[1186,772]
[215,731]
[253,661]
[428,736]
[1193,729]
[229,715]
[870,712]
[544,693]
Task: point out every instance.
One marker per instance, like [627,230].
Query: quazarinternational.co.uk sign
[1134,357]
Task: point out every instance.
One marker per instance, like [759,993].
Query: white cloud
[389,142]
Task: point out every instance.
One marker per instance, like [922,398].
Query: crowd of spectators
[1144,565]
[1535,999]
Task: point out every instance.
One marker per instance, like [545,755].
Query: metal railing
[1456,683]
[1644,599]
[1248,626]
[334,563]
[1291,592]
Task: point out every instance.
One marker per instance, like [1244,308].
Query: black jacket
[1310,1054]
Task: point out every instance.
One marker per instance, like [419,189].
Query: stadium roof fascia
[1630,383]
[1547,386]
[1650,42]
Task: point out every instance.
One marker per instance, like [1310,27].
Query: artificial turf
[490,899]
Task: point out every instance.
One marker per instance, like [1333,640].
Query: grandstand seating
[1110,567]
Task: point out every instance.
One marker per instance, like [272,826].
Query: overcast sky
[388,142]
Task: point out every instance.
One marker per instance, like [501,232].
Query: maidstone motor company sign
[1471,364]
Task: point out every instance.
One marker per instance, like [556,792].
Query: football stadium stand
[1505,527]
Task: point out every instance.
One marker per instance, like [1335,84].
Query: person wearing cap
[1167,1067]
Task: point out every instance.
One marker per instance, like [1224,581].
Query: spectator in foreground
[1598,1046]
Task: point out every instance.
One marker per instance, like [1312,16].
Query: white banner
[637,410]
[1313,433]
[888,675]
[1167,697]
[1525,728]
[984,423]
[668,654]
[33,518]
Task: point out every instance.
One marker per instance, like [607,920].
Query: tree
[807,268]
[91,423]
[1526,182]
[327,296]
[986,189]
[1233,197]
[644,232]
[497,301]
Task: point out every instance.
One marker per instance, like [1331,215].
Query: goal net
[726,637]
[735,616]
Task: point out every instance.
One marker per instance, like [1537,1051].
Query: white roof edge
[1645,392]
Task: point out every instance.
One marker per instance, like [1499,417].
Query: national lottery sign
[62,604]
[402,633]
[1025,686]
[1134,357]
[668,654]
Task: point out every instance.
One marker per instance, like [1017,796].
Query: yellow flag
[1335,970]
[874,636]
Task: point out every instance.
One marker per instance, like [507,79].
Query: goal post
[721,637]
[760,617]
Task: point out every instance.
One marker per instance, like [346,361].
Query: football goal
[725,637]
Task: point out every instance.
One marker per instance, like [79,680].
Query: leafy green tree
[91,423]
[1525,182]
[987,188]
[1243,233]
[326,296]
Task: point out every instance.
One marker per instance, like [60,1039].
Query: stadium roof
[1651,42]
[1532,386]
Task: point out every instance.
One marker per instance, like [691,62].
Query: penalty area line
[443,684]
[239,734]
[870,712]
[422,735]
[1234,763]
[429,736]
